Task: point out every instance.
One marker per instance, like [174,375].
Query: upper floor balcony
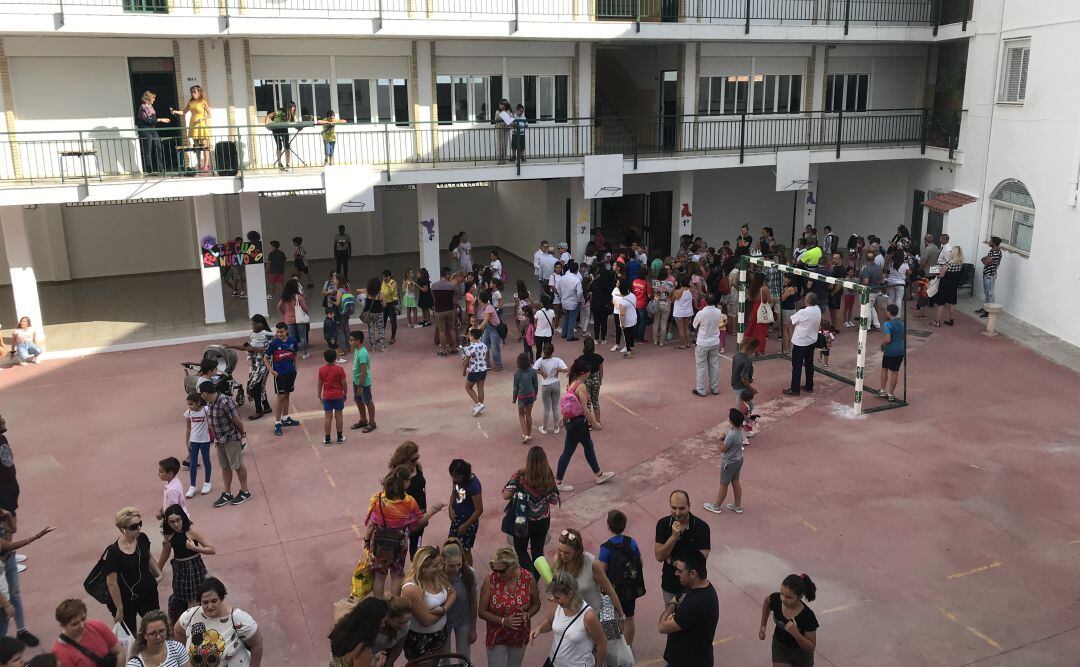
[806,20]
[42,167]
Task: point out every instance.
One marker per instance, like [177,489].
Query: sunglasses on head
[135,526]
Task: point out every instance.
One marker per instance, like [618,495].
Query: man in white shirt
[547,267]
[537,256]
[569,287]
[807,322]
[707,353]
[564,253]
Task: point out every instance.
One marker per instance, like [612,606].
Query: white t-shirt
[807,321]
[548,367]
[219,641]
[175,656]
[543,318]
[200,424]
[707,322]
[629,304]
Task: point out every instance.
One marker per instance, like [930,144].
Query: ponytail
[801,585]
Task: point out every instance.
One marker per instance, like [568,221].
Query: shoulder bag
[386,542]
[550,662]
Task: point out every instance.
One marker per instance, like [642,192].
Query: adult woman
[281,133]
[198,111]
[579,639]
[130,571]
[508,599]
[153,648]
[371,634]
[461,617]
[683,310]
[578,418]
[759,292]
[488,326]
[78,635]
[590,581]
[374,307]
[153,152]
[260,337]
[388,292]
[407,454]
[600,301]
[425,301]
[897,276]
[429,592]
[661,289]
[187,547]
[949,281]
[395,514]
[294,311]
[788,300]
[795,631]
[24,342]
[534,489]
[218,633]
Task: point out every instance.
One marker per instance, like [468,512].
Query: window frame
[1013,209]
[1022,44]
[843,78]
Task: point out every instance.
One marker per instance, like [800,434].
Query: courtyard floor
[942,533]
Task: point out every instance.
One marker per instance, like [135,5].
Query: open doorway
[158,76]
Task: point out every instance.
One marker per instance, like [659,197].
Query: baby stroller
[225,359]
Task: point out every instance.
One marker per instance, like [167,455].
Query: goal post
[862,291]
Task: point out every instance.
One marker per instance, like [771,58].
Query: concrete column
[21,265]
[206,224]
[251,221]
[427,204]
[682,213]
[581,217]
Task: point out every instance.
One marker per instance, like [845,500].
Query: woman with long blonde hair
[430,594]
[198,111]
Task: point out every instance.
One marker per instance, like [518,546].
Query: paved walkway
[944,533]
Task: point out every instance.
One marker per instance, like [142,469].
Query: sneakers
[563,488]
[734,508]
[543,430]
[241,497]
[190,492]
[715,509]
[289,421]
[26,637]
[224,499]
[277,428]
[604,476]
[205,488]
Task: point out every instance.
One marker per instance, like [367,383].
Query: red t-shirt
[98,639]
[332,377]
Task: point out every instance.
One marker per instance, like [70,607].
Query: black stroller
[225,360]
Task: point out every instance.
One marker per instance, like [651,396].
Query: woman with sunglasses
[187,547]
[153,648]
[590,581]
[508,599]
[131,572]
[578,639]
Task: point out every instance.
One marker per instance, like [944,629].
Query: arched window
[1013,215]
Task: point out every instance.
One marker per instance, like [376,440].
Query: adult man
[829,244]
[678,535]
[929,255]
[228,436]
[564,252]
[742,371]
[871,277]
[342,252]
[690,622]
[707,353]
[444,295]
[892,351]
[569,287]
[811,257]
[464,253]
[990,267]
[547,267]
[539,255]
[806,321]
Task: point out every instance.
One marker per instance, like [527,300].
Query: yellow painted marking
[981,568]
[952,617]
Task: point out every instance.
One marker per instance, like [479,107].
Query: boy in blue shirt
[892,352]
[281,358]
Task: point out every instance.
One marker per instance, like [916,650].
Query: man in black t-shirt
[677,535]
[690,621]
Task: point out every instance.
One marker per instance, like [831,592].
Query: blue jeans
[494,343]
[195,449]
[299,331]
[11,573]
[27,350]
[988,288]
[571,322]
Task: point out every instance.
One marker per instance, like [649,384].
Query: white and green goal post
[864,314]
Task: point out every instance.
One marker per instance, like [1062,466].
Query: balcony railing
[738,12]
[100,155]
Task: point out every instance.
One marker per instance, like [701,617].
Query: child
[732,449]
[475,359]
[517,142]
[281,357]
[525,386]
[362,383]
[849,298]
[466,506]
[329,134]
[168,469]
[197,437]
[620,558]
[275,270]
[922,283]
[826,335]
[412,294]
[300,259]
[332,389]
[549,366]
[329,330]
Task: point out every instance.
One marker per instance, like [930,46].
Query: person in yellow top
[198,111]
[389,294]
[329,134]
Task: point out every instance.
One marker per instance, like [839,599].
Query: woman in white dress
[578,639]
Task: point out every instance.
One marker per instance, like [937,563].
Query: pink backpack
[569,404]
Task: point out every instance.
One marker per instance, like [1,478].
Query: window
[354,100]
[1014,69]
[772,93]
[312,96]
[847,92]
[545,96]
[1013,215]
[462,98]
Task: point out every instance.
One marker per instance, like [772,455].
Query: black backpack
[624,570]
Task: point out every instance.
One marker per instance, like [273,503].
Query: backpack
[570,404]
[454,241]
[624,570]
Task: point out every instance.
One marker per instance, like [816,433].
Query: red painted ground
[944,533]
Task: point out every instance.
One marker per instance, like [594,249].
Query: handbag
[386,542]
[550,662]
[609,620]
[932,288]
[107,660]
[765,314]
